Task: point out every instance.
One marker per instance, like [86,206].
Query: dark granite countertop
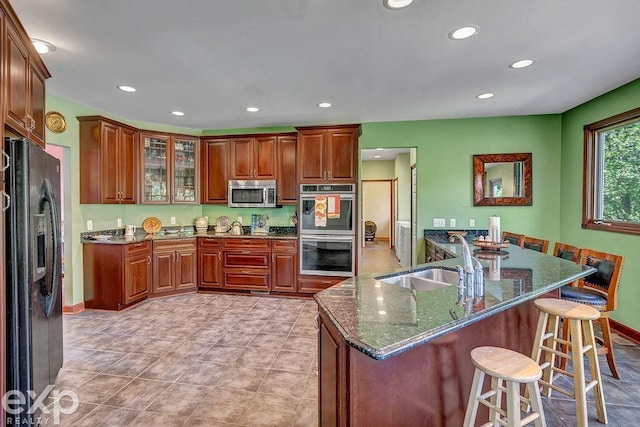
[122,240]
[382,320]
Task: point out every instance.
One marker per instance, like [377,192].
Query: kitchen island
[391,355]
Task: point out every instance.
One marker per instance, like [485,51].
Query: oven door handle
[327,238]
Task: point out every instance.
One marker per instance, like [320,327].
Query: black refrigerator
[34,276]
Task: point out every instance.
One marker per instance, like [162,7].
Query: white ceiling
[385,154]
[211,59]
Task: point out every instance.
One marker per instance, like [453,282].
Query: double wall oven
[327,229]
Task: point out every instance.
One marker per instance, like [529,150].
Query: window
[611,194]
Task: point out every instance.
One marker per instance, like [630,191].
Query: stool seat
[567,309]
[506,364]
[583,296]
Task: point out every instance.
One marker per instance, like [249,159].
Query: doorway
[377,211]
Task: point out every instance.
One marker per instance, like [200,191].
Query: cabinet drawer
[133,249]
[284,245]
[170,245]
[246,279]
[247,243]
[246,258]
[313,284]
[209,242]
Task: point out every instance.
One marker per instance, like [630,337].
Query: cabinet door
[184,170]
[137,278]
[331,360]
[215,171]
[17,75]
[128,165]
[242,158]
[163,271]
[341,154]
[109,159]
[264,157]
[210,269]
[286,170]
[155,159]
[283,271]
[310,166]
[186,269]
[37,108]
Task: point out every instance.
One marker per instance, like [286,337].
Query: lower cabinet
[209,263]
[331,375]
[284,265]
[174,266]
[246,264]
[116,276]
[314,284]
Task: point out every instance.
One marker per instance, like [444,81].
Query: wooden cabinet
[286,170]
[23,85]
[312,284]
[108,161]
[284,265]
[209,263]
[332,358]
[174,265]
[116,276]
[215,170]
[328,154]
[169,171]
[253,157]
[246,264]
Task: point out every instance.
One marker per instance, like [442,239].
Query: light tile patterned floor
[198,359]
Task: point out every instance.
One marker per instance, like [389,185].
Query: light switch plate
[472,222]
[119,222]
[438,222]
[89,225]
[172,220]
[452,222]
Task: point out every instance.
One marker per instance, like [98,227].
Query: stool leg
[513,404]
[538,342]
[536,403]
[606,337]
[550,358]
[472,404]
[592,355]
[578,371]
[496,383]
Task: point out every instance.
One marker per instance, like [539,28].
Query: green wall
[444,150]
[618,101]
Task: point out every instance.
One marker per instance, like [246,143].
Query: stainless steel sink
[424,280]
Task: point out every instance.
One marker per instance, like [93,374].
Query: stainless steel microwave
[252,194]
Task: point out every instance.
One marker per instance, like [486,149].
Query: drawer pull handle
[6,196]
[315,321]
[246,252]
[246,271]
[6,165]
[326,281]
[148,260]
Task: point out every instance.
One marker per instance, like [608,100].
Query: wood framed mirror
[502,179]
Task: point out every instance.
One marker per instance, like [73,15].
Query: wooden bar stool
[580,319]
[514,369]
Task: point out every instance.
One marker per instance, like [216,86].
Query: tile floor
[377,257]
[198,359]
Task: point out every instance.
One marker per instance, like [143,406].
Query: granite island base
[392,356]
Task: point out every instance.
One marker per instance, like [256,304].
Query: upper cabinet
[169,168]
[286,170]
[215,170]
[253,157]
[23,85]
[327,154]
[108,161]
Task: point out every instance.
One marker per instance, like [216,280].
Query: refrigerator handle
[48,196]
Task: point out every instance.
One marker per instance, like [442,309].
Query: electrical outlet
[452,222]
[472,222]
[207,218]
[89,225]
[172,220]
[119,221]
[438,222]
[239,219]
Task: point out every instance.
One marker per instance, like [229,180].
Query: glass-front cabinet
[169,169]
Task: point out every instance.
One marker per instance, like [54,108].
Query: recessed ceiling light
[177,113]
[463,33]
[382,312]
[324,105]
[379,149]
[396,4]
[42,46]
[252,109]
[376,157]
[485,95]
[523,63]
[125,88]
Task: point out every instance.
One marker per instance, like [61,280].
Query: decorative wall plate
[55,122]
[151,225]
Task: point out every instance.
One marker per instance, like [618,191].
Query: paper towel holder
[515,175]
